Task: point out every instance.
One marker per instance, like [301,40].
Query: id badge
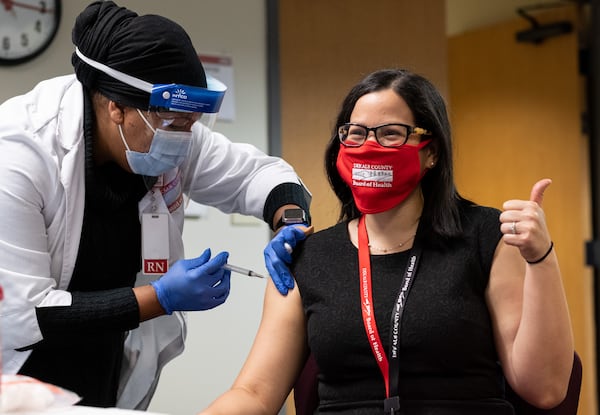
[155,243]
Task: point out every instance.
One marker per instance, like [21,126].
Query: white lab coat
[42,184]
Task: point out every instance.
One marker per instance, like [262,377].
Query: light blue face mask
[167,151]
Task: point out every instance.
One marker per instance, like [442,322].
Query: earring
[432,164]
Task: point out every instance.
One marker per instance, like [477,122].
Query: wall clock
[27,28]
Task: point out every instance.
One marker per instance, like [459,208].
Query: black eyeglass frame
[409,129]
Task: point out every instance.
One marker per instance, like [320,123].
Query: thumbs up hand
[523,223]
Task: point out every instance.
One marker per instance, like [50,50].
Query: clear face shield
[173,104]
[176,100]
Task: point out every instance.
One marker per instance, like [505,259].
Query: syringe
[243,271]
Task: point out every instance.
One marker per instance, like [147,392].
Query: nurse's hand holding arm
[278,254]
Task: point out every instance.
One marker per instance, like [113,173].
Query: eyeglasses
[387,135]
[176,119]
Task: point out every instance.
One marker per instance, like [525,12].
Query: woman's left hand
[523,223]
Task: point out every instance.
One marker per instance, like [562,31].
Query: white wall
[219,339]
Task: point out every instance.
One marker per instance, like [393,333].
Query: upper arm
[279,350]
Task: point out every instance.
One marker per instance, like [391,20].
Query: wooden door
[516,113]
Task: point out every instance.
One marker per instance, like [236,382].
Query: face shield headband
[170,97]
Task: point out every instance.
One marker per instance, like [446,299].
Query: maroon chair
[306,398]
[306,394]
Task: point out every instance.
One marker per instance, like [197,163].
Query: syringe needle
[243,271]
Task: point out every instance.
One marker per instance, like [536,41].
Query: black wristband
[286,194]
[545,255]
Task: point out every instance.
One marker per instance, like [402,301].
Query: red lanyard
[368,313]
[389,369]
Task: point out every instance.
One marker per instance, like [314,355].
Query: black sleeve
[91,312]
[286,194]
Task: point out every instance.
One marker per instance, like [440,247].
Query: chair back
[306,397]
[306,394]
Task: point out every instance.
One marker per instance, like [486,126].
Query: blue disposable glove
[278,256]
[194,284]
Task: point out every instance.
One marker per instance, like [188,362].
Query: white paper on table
[23,393]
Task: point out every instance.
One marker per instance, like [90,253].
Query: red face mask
[380,177]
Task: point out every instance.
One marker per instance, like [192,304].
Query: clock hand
[7,4]
[10,4]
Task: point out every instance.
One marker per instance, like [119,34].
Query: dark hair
[440,215]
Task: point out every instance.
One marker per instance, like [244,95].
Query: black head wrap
[149,47]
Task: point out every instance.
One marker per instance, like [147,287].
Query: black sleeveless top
[447,350]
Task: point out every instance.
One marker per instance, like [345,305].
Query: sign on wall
[221,67]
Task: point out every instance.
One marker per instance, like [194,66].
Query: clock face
[26,28]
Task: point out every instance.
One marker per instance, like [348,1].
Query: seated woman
[418,301]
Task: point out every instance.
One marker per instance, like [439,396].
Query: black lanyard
[389,369]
